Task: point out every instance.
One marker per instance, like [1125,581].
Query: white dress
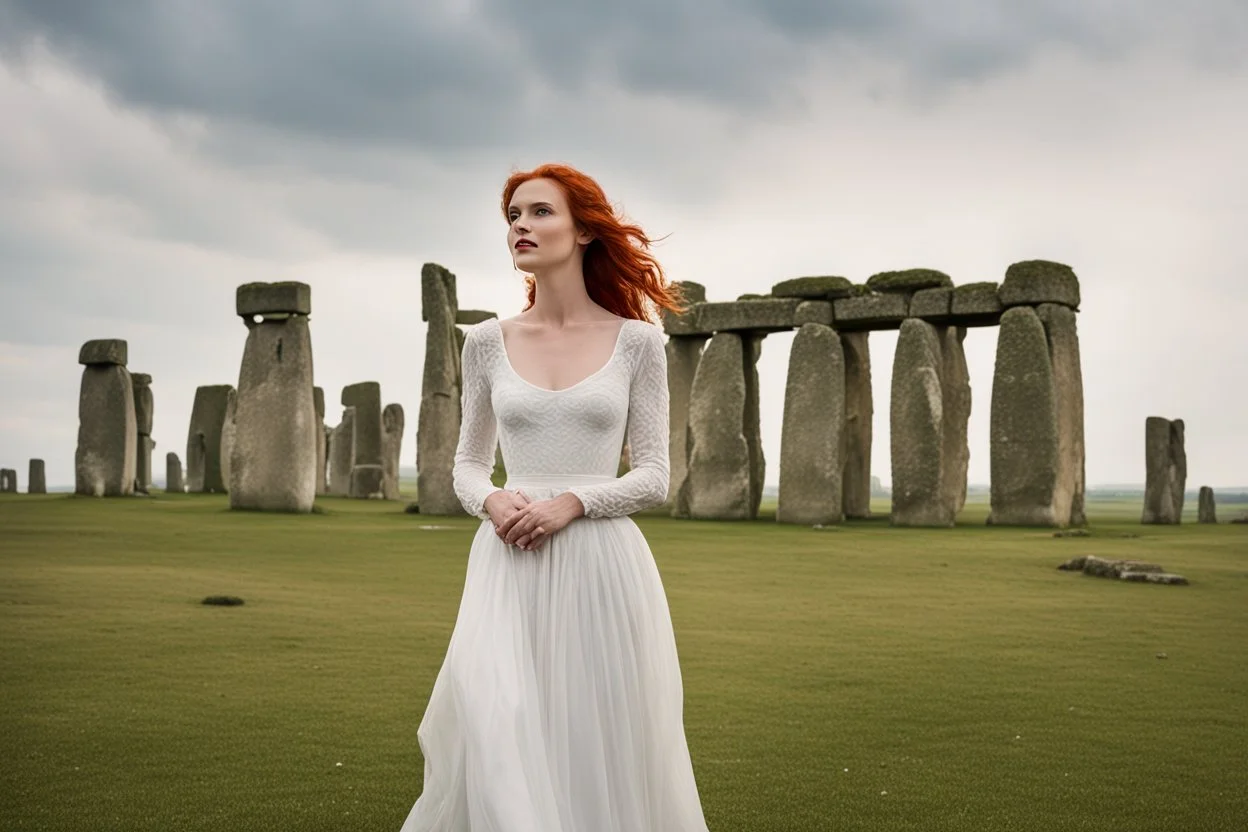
[558,707]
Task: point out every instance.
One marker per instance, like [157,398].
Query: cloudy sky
[157,153]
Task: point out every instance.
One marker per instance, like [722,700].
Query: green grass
[855,677]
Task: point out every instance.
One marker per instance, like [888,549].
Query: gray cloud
[445,75]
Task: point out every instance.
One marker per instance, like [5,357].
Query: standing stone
[1165,459]
[204,474]
[392,425]
[366,470]
[341,454]
[955,390]
[273,459]
[920,494]
[37,481]
[173,474]
[143,413]
[752,345]
[1023,431]
[322,438]
[1208,512]
[1063,340]
[437,432]
[8,481]
[229,429]
[859,411]
[812,440]
[683,354]
[106,454]
[717,485]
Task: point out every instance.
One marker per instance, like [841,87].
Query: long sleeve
[478,432]
[646,483]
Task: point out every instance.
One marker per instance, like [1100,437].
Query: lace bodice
[576,430]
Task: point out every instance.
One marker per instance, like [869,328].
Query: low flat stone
[769,314]
[468,317]
[751,296]
[1072,533]
[932,304]
[908,280]
[104,351]
[813,312]
[1032,282]
[1154,578]
[814,288]
[288,297]
[1106,568]
[975,304]
[885,311]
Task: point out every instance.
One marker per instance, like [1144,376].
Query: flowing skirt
[558,707]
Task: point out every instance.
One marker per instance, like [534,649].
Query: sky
[158,153]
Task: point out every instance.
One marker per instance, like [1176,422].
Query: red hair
[620,272]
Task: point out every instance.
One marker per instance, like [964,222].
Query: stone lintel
[104,351]
[289,297]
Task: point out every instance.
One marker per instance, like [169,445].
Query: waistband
[515,481]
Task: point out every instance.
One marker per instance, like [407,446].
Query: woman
[558,707]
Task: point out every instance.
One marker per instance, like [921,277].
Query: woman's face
[542,234]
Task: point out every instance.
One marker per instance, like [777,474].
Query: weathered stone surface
[1063,338]
[105,457]
[812,439]
[469,317]
[368,482]
[932,305]
[813,312]
[143,463]
[322,438]
[448,291]
[437,432]
[1154,578]
[204,472]
[37,478]
[683,323]
[814,288]
[1023,430]
[907,281]
[1033,282]
[287,297]
[718,482]
[1165,461]
[751,296]
[392,425]
[975,304]
[955,392]
[365,397]
[342,454]
[229,429]
[273,459]
[683,353]
[144,410]
[104,351]
[917,430]
[873,311]
[1207,508]
[752,344]
[859,412]
[173,474]
[8,481]
[1107,567]
[768,315]
[144,406]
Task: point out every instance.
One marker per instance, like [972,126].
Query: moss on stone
[813,288]
[908,280]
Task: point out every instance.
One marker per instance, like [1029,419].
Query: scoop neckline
[502,345]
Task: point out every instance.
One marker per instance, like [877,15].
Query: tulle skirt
[558,707]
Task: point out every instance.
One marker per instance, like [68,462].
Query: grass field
[851,678]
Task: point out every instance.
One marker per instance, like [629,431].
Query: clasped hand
[519,521]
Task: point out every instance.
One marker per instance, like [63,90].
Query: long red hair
[620,272]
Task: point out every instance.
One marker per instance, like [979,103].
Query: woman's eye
[543,211]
